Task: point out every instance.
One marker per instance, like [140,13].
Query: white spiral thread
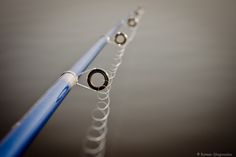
[95,141]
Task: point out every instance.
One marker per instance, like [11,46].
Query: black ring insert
[122,35]
[104,74]
[132,22]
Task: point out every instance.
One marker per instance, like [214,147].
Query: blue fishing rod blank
[24,131]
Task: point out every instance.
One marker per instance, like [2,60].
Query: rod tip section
[139,11]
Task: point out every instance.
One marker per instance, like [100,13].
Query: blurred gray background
[174,94]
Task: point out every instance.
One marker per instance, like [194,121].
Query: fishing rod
[24,131]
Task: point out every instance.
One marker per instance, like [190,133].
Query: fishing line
[95,140]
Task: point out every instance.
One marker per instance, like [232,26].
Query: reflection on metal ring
[120,38]
[103,73]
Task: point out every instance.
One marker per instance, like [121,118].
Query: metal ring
[132,22]
[104,74]
[118,35]
[136,12]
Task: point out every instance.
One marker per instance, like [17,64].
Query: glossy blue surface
[29,126]
[23,133]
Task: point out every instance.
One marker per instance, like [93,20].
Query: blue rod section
[24,131]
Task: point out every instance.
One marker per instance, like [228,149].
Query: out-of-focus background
[174,94]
